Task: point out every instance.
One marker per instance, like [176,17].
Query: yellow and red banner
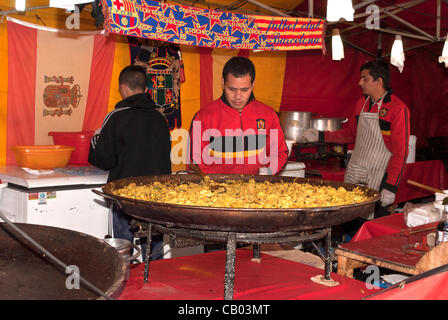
[209,28]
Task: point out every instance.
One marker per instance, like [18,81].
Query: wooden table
[405,252]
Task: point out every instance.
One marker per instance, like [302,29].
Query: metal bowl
[238,219]
[25,274]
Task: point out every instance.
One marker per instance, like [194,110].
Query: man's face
[369,86]
[237,90]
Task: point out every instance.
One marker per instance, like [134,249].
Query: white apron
[370,156]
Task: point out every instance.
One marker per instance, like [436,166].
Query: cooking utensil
[327,124]
[294,123]
[27,273]
[212,187]
[423,186]
[237,219]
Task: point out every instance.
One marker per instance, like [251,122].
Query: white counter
[68,176]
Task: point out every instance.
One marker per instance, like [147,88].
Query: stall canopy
[314,82]
[294,79]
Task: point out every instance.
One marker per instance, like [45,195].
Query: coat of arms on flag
[59,98]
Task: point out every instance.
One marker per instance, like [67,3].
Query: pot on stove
[327,124]
[294,123]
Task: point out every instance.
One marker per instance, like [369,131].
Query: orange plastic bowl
[42,157]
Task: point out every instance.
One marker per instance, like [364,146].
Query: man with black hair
[380,129]
[134,140]
[236,134]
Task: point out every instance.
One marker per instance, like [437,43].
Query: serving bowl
[42,157]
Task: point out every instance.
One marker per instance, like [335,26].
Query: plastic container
[42,157]
[79,140]
[442,227]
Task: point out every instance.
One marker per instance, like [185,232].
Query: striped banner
[209,28]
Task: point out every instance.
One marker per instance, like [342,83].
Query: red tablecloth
[380,227]
[201,277]
[431,285]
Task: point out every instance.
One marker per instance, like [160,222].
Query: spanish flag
[58,80]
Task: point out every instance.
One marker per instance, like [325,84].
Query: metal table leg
[328,263]
[256,251]
[148,253]
[229,278]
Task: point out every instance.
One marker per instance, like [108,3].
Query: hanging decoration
[209,28]
[164,71]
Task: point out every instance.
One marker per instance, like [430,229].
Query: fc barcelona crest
[124,14]
[383,112]
[59,98]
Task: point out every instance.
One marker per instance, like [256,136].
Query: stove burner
[232,238]
[324,151]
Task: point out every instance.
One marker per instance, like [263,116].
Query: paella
[243,194]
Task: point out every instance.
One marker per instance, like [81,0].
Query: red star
[199,35]
[150,15]
[172,26]
[255,37]
[225,43]
[191,12]
[135,32]
[239,25]
[214,18]
[149,11]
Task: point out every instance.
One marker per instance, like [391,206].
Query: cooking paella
[243,194]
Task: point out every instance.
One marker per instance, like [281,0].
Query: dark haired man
[134,140]
[380,129]
[237,134]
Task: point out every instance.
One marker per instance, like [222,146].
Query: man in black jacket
[134,140]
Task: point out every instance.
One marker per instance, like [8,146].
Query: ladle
[199,172]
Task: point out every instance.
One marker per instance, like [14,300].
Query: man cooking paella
[380,129]
[237,134]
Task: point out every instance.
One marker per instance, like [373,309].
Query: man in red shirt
[237,134]
[380,129]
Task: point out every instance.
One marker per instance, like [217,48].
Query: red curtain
[330,88]
[21,87]
[315,83]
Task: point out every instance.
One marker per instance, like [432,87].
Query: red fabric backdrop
[316,83]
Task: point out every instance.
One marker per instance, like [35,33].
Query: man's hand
[311,135]
[387,197]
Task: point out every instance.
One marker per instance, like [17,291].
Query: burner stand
[231,238]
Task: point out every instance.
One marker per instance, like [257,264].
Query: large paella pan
[238,219]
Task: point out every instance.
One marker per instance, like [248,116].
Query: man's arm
[102,148]
[398,146]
